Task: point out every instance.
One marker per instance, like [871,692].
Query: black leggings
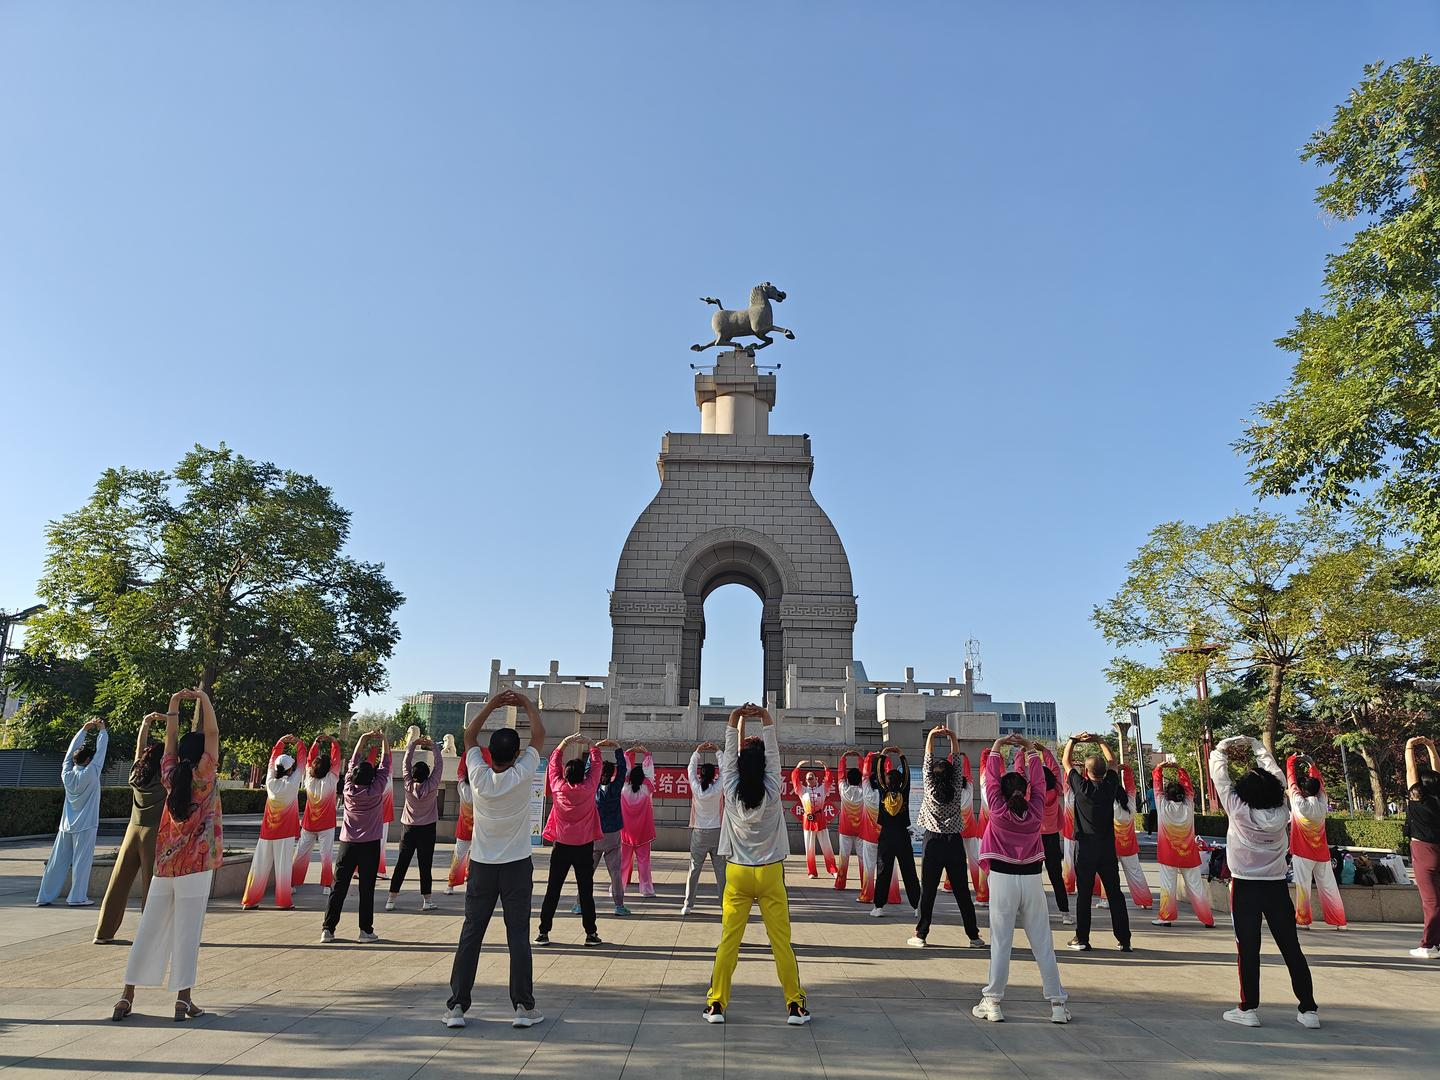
[1250,901]
[1055,867]
[944,853]
[363,857]
[895,847]
[416,840]
[564,858]
[1097,858]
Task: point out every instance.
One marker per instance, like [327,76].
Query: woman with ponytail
[1014,853]
[317,825]
[942,816]
[706,805]
[187,853]
[137,850]
[637,811]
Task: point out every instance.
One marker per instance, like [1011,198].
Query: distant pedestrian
[707,801]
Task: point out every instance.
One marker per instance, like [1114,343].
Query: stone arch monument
[734,506]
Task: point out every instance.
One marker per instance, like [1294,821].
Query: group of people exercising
[1071,819]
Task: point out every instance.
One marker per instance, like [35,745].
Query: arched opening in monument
[732,660]
[733,562]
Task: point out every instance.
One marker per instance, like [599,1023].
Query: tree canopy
[227,574]
[1359,424]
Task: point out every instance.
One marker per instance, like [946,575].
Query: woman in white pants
[1309,849]
[279,828]
[1176,848]
[1127,844]
[1014,850]
[317,825]
[187,853]
[706,812]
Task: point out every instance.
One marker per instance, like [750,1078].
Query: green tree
[1242,584]
[228,574]
[1236,707]
[394,725]
[1357,424]
[1376,648]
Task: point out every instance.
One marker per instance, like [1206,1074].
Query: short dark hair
[504,746]
[84,755]
[1175,791]
[575,771]
[420,772]
[1260,790]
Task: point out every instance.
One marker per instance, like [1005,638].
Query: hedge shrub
[1339,831]
[29,811]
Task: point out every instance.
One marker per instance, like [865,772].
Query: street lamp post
[6,621]
[1143,781]
[1123,727]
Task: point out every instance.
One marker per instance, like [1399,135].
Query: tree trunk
[1377,783]
[1272,706]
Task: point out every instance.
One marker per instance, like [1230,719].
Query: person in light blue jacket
[75,842]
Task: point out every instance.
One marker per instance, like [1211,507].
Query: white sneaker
[1161,922]
[525,1018]
[390,902]
[327,937]
[684,910]
[454,1018]
[367,938]
[326,890]
[429,905]
[1059,1014]
[988,1009]
[877,913]
[1431,952]
[918,942]
[1310,1020]
[1243,1017]
[1066,919]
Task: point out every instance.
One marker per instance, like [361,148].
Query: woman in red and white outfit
[851,825]
[1050,831]
[812,791]
[1127,844]
[869,829]
[1177,850]
[464,825]
[637,812]
[1309,851]
[979,876]
[317,824]
[279,827]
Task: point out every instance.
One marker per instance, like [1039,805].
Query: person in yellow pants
[755,843]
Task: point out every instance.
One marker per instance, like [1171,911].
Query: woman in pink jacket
[573,827]
[1013,853]
[638,814]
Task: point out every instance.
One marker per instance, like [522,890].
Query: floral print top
[194,845]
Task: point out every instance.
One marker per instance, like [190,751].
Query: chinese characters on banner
[671,782]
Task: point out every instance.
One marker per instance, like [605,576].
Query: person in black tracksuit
[895,843]
[1095,788]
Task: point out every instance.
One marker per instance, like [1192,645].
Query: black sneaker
[713,1013]
[798,1014]
[593,939]
[542,938]
[1078,946]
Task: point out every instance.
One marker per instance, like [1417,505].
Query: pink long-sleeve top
[573,817]
[1011,839]
[1050,820]
[422,797]
[637,811]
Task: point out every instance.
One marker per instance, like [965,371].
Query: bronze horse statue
[757,320]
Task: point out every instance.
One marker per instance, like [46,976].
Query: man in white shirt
[500,864]
[755,843]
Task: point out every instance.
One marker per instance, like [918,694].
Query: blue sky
[446,258]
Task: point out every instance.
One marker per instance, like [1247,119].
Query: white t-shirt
[502,807]
[705,806]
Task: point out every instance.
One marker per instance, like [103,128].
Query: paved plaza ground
[282,1007]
